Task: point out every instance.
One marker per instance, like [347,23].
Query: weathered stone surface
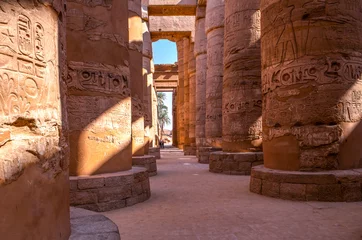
[148,162]
[307,186]
[87,225]
[118,190]
[214,27]
[234,163]
[242,99]
[201,66]
[310,86]
[34,153]
[99,111]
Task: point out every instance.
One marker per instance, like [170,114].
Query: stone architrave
[214,27]
[312,98]
[34,152]
[180,95]
[137,82]
[99,100]
[241,98]
[201,65]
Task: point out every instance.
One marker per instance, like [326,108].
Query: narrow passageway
[190,203]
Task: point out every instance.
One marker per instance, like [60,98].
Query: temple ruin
[270,89]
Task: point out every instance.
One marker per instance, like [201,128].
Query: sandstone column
[214,27]
[186,47]
[137,82]
[34,185]
[99,107]
[174,119]
[180,95]
[312,98]
[148,86]
[242,98]
[192,99]
[201,65]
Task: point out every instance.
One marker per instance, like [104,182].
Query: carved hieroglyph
[242,100]
[99,102]
[312,65]
[33,150]
[201,65]
[214,27]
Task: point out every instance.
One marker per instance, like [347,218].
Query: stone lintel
[172,10]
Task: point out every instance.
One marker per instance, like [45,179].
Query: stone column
[312,98]
[214,27]
[137,81]
[174,119]
[186,42]
[99,107]
[192,100]
[148,86]
[34,185]
[180,95]
[155,116]
[201,65]
[242,97]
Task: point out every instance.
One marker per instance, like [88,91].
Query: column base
[326,186]
[106,192]
[146,161]
[239,163]
[203,154]
[189,150]
[90,225]
[155,151]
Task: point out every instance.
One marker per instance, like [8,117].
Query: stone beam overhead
[166,77]
[171,27]
[172,7]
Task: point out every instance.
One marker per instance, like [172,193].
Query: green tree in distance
[162,112]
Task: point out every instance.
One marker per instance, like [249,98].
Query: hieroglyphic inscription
[331,71]
[27,62]
[99,78]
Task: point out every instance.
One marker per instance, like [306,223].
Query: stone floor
[190,203]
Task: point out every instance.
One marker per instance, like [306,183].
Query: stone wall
[34,186]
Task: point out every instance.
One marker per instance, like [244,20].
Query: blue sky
[165,52]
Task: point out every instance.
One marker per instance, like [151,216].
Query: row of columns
[285,95]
